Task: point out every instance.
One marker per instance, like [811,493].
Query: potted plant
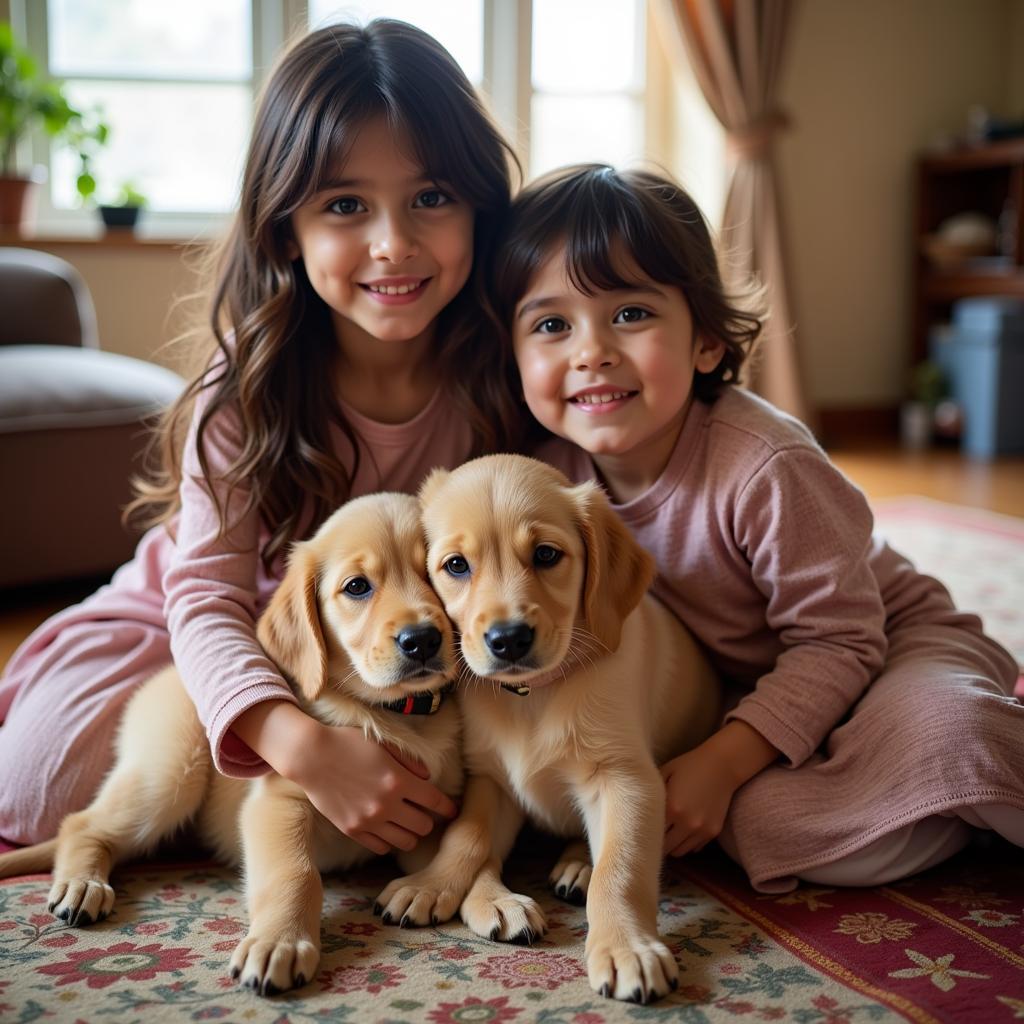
[917,414]
[123,210]
[29,103]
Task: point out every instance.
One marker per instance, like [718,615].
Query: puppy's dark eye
[358,586]
[456,566]
[546,556]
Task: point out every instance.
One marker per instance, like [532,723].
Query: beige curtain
[735,48]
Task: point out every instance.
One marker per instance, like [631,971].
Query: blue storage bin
[982,355]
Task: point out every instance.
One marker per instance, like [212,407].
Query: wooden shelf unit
[977,179]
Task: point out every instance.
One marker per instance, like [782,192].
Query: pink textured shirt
[765,551]
[214,590]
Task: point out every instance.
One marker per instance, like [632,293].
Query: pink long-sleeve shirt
[765,551]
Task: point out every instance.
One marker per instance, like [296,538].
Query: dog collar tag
[519,689]
[420,703]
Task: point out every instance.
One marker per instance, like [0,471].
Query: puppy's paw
[270,965]
[420,899]
[570,880]
[80,901]
[638,968]
[500,915]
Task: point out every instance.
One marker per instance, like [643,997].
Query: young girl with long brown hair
[345,357]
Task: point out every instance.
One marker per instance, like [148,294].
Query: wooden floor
[942,474]
[879,472]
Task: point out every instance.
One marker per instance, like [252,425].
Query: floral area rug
[947,946]
[979,555]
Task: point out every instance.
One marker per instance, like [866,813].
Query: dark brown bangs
[451,147]
[608,227]
[335,118]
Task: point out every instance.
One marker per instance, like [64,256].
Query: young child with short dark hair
[872,726]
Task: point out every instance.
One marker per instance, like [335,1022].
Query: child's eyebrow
[358,183]
[552,300]
[533,304]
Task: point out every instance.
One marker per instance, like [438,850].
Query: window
[587,82]
[570,70]
[174,83]
[566,79]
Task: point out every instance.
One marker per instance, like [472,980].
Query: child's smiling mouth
[601,400]
[396,291]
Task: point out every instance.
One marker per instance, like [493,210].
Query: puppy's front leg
[434,894]
[285,893]
[624,808]
[490,908]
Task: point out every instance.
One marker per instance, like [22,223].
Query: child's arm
[374,794]
[805,534]
[699,785]
[250,714]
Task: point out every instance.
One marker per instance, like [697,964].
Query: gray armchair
[72,426]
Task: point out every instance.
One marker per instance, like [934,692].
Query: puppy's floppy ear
[429,488]
[289,628]
[619,571]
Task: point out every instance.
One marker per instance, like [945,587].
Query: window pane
[181,145]
[458,25]
[586,46]
[143,38]
[575,129]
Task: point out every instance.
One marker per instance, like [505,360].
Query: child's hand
[699,785]
[697,798]
[374,794]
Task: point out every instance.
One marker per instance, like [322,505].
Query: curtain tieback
[753,141]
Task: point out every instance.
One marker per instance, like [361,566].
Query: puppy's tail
[29,860]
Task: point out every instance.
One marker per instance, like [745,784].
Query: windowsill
[92,233]
[84,228]
[117,239]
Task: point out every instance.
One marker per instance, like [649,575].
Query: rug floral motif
[946,946]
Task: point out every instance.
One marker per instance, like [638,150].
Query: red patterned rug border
[808,953]
[953,925]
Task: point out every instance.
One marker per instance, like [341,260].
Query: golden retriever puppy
[365,642]
[585,685]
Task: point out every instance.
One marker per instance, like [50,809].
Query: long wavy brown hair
[269,335]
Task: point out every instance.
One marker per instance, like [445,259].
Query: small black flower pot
[120,216]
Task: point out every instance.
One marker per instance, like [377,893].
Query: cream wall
[138,297]
[138,293]
[868,84]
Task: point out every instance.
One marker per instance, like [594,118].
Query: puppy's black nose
[419,642]
[509,640]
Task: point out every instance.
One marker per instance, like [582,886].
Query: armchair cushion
[47,388]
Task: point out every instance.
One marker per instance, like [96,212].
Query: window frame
[637,94]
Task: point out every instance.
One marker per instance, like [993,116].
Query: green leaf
[86,185]
[31,103]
